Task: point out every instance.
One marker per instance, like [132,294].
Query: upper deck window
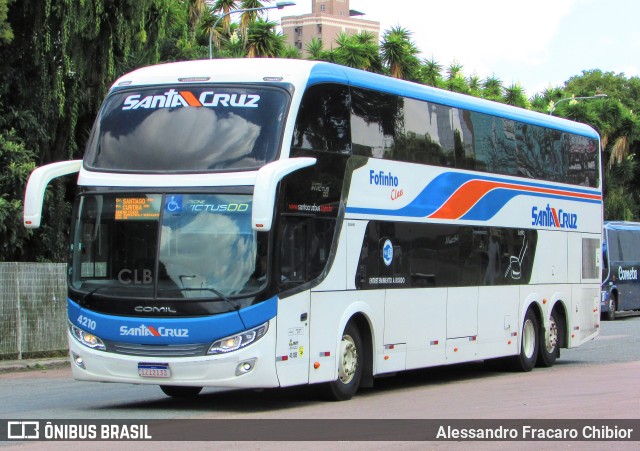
[188,129]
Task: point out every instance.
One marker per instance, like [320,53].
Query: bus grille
[186,350]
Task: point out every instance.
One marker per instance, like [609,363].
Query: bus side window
[305,245]
[323,120]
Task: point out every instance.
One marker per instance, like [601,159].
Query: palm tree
[515,95]
[354,51]
[475,85]
[249,17]
[315,50]
[222,7]
[291,52]
[263,41]
[492,88]
[195,9]
[398,53]
[432,73]
[455,79]
[369,42]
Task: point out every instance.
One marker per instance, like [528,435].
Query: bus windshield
[188,129]
[167,246]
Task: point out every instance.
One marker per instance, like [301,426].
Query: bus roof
[622,225]
[303,73]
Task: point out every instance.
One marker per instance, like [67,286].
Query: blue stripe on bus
[164,331]
[328,73]
[442,187]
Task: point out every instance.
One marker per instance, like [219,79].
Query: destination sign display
[137,208]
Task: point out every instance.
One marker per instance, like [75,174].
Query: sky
[537,43]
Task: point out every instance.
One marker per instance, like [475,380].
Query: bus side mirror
[264,191]
[36,186]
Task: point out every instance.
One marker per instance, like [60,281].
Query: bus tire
[180,392]
[613,305]
[526,359]
[549,347]
[350,366]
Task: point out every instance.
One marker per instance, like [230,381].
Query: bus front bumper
[250,367]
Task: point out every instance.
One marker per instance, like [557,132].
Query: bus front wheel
[180,392]
[613,305]
[350,366]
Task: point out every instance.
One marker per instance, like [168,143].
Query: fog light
[245,367]
[78,360]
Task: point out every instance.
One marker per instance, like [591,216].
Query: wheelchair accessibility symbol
[173,204]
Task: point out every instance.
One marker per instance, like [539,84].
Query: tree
[431,73]
[263,41]
[248,17]
[54,76]
[475,85]
[492,88]
[398,53]
[195,10]
[224,7]
[17,163]
[6,33]
[358,51]
[315,50]
[455,79]
[516,96]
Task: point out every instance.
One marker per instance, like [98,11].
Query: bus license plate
[160,370]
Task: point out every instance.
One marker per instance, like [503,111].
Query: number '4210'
[86,322]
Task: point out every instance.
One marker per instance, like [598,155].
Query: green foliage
[17,163]
[515,95]
[492,89]
[6,33]
[431,73]
[60,57]
[263,41]
[399,54]
[455,79]
[359,51]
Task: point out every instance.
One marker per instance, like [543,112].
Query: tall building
[328,18]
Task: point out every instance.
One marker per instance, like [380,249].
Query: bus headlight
[238,341]
[86,338]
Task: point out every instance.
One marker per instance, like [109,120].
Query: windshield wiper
[85,297]
[234,305]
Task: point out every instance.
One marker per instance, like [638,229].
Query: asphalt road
[598,380]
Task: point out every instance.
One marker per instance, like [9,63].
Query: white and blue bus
[268,223]
[621,255]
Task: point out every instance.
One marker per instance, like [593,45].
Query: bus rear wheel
[180,392]
[529,342]
[350,366]
[550,342]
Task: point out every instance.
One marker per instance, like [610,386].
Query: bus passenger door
[292,345]
[304,248]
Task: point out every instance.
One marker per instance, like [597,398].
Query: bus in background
[267,223]
[621,255]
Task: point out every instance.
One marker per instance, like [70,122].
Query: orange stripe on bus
[471,192]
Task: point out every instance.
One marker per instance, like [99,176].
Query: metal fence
[33,309]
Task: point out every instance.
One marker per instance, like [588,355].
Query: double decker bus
[268,223]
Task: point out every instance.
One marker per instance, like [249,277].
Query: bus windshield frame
[188,129]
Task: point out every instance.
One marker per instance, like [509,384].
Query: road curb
[11,366]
